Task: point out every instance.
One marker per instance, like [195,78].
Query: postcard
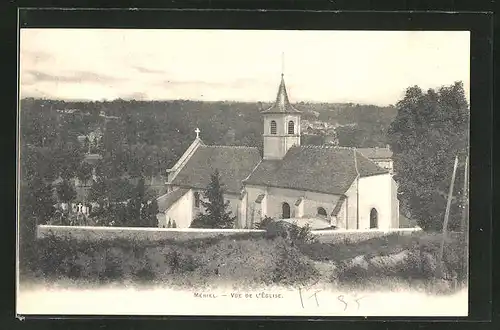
[243,172]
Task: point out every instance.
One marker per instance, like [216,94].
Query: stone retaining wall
[99,233]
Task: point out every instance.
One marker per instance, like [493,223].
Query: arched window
[273,127]
[286,211]
[322,212]
[291,127]
[373,218]
[196,199]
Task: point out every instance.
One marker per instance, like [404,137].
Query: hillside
[165,127]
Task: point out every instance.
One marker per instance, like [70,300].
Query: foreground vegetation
[298,259]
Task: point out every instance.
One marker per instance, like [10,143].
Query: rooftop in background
[376,153]
[92,158]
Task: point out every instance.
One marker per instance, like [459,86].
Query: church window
[273,127]
[196,199]
[322,212]
[291,127]
[373,218]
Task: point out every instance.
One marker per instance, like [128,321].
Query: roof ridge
[325,146]
[225,146]
[253,170]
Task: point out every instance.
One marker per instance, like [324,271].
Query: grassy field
[389,262]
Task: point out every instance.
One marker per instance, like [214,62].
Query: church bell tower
[281,125]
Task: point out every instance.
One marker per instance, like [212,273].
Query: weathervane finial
[282,63]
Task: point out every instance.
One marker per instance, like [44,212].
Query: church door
[373,218]
[286,211]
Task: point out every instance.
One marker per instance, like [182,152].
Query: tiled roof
[366,167]
[282,104]
[323,169]
[376,153]
[167,200]
[233,163]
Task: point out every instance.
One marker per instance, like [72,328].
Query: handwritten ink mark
[341,299]
[357,301]
[315,294]
[300,294]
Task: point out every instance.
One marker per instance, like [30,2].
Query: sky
[373,67]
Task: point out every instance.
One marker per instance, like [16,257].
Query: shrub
[113,265]
[302,234]
[275,229]
[293,268]
[264,223]
[145,273]
[55,256]
[181,262]
[290,231]
[27,241]
[352,274]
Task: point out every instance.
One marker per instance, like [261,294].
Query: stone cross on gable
[197,131]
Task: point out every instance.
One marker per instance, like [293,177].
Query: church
[324,186]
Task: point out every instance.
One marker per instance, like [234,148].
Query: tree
[67,158]
[84,172]
[429,130]
[217,214]
[37,200]
[135,204]
[149,213]
[98,193]
[65,191]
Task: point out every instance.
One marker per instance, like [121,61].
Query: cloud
[191,83]
[142,69]
[361,66]
[36,56]
[75,76]
[233,83]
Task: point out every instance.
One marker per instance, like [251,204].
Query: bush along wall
[286,256]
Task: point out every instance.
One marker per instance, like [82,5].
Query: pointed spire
[282,104]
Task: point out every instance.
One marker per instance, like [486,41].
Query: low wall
[180,234]
[151,234]
[333,236]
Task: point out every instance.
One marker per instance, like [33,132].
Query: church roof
[167,200]
[324,169]
[282,104]
[233,163]
[376,153]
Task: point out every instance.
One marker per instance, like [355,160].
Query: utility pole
[465,205]
[465,217]
[446,216]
